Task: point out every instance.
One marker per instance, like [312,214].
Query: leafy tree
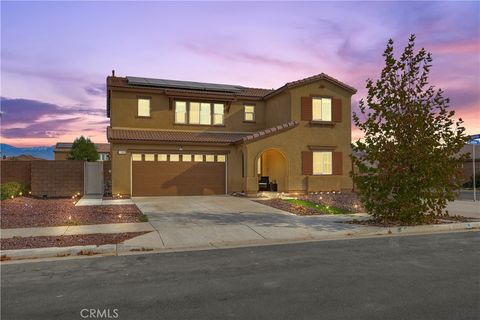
[83,149]
[408,163]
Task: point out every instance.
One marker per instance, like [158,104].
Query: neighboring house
[63,148]
[189,138]
[468,166]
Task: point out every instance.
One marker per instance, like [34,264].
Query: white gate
[93,177]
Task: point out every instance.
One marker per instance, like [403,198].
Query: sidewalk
[97,200]
[168,239]
[71,230]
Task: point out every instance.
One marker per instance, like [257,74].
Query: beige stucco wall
[60,155]
[278,109]
[123,110]
[292,142]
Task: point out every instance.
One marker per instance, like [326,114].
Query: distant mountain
[37,152]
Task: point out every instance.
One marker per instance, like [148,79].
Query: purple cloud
[96,90]
[45,129]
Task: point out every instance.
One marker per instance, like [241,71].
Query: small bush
[143,218]
[9,189]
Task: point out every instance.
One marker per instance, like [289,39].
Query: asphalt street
[408,277]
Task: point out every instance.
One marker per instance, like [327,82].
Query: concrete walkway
[97,200]
[70,230]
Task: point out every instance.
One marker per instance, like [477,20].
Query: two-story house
[188,138]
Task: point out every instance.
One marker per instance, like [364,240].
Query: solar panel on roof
[163,83]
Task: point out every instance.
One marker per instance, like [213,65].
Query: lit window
[205,113]
[322,109]
[180,112]
[249,113]
[221,158]
[198,158]
[218,113]
[174,158]
[322,162]
[194,116]
[136,157]
[162,157]
[144,107]
[209,158]
[187,157]
[149,157]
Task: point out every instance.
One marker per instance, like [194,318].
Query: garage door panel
[152,178]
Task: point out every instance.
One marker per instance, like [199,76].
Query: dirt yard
[24,212]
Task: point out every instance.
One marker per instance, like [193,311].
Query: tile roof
[194,137]
[66,146]
[254,92]
[320,76]
[269,132]
[239,91]
[173,136]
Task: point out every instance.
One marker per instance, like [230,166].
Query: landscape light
[20,194]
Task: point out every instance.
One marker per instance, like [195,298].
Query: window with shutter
[322,109]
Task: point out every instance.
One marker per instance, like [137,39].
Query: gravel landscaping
[24,212]
[66,241]
[320,203]
[394,223]
[344,200]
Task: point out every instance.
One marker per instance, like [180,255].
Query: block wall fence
[51,178]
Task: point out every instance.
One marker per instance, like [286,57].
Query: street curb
[50,252]
[116,249]
[426,229]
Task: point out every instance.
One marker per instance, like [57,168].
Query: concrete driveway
[210,221]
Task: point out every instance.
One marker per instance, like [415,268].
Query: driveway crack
[253,230]
[158,231]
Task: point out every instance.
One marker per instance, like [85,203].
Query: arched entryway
[272,170]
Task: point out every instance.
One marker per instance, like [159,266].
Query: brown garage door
[173,174]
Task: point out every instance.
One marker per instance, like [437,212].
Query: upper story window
[203,113]
[249,113]
[218,111]
[322,162]
[143,109]
[322,109]
[180,112]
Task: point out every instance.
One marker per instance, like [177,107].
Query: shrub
[408,161]
[9,189]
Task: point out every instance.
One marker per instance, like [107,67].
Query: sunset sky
[55,55]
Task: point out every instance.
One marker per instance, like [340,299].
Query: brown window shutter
[337,163]
[306,109]
[307,162]
[337,110]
